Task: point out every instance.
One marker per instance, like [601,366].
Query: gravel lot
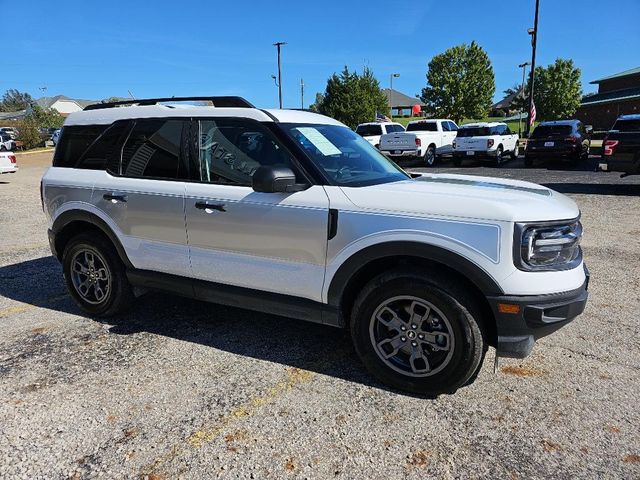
[184,389]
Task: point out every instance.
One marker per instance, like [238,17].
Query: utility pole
[278,45]
[302,94]
[523,66]
[391,77]
[534,40]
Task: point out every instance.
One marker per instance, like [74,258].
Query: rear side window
[103,151]
[369,130]
[153,150]
[627,125]
[74,142]
[422,127]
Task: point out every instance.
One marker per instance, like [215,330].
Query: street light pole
[523,66]
[534,40]
[391,77]
[278,45]
[302,93]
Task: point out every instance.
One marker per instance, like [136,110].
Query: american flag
[532,114]
[382,118]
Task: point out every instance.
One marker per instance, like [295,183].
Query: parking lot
[179,388]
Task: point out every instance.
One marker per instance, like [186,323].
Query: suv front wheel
[95,276]
[417,333]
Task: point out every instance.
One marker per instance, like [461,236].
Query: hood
[466,196]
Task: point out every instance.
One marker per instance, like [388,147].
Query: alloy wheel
[90,276]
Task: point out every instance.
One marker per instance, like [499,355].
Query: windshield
[345,157]
[474,132]
[422,127]
[630,125]
[551,130]
[369,130]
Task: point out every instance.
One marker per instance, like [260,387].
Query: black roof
[561,122]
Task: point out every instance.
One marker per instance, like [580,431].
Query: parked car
[6,142]
[8,162]
[372,131]
[423,138]
[56,136]
[485,141]
[294,214]
[621,146]
[568,139]
[12,132]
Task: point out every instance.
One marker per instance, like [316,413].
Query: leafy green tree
[460,83]
[315,105]
[352,98]
[46,117]
[557,90]
[14,101]
[31,125]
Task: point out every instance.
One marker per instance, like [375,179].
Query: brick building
[617,95]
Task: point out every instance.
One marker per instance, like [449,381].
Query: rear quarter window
[74,142]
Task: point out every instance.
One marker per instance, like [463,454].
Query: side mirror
[588,129]
[268,179]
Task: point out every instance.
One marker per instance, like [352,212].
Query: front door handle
[113,198]
[210,206]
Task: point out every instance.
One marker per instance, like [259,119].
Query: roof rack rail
[221,102]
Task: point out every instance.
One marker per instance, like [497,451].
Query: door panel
[274,242]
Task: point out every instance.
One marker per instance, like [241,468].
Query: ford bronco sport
[291,213]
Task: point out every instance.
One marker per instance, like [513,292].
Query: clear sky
[96,49]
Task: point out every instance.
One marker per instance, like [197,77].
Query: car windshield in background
[369,130]
[542,131]
[627,126]
[345,157]
[422,127]
[474,132]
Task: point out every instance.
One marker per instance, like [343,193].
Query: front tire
[95,276]
[417,333]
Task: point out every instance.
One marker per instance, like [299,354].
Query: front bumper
[537,316]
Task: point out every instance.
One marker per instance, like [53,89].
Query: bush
[29,133]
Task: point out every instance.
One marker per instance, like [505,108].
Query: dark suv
[621,146]
[560,139]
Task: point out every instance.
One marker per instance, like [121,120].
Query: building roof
[398,99]
[626,73]
[47,102]
[12,115]
[506,101]
[613,96]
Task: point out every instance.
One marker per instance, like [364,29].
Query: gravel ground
[182,389]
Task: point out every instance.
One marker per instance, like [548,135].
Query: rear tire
[441,347]
[499,152]
[430,158]
[515,152]
[528,160]
[95,276]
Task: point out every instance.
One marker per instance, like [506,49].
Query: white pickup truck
[372,131]
[424,138]
[485,141]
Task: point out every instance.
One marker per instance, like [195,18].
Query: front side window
[231,150]
[153,150]
[344,156]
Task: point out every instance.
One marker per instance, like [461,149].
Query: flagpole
[534,41]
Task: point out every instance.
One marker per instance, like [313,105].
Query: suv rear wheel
[499,152]
[95,276]
[430,156]
[417,333]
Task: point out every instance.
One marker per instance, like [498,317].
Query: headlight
[548,247]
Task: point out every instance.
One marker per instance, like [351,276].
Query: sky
[96,49]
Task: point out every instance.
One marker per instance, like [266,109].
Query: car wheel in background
[418,333]
[457,161]
[528,160]
[430,156]
[499,152]
[515,152]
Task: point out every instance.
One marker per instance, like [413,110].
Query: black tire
[430,158]
[499,152]
[458,309]
[457,161]
[119,294]
[2,148]
[528,160]
[515,152]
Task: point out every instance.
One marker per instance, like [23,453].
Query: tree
[351,98]
[460,83]
[13,101]
[315,105]
[557,90]
[37,119]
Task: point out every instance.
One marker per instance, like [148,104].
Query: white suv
[485,141]
[372,131]
[292,213]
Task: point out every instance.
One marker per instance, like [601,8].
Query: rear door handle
[210,206]
[113,198]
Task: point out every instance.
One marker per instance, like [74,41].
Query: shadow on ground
[325,350]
